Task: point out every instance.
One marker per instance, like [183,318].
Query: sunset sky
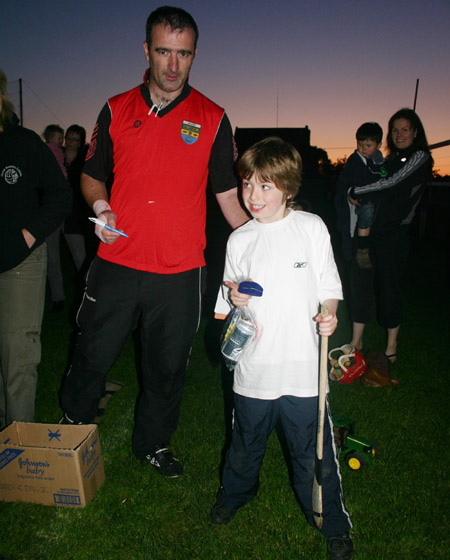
[325,64]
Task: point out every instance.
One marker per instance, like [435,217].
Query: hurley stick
[317,506]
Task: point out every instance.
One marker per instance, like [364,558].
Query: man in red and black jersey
[161,141]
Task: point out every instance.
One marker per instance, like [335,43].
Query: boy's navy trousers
[254,420]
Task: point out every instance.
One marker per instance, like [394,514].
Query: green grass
[398,504]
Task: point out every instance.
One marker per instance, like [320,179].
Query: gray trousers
[22,296]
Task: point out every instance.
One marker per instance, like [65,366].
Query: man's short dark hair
[370,131]
[176,18]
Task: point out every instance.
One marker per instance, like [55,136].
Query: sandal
[392,357]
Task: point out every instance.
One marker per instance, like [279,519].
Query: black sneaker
[220,515]
[164,461]
[66,420]
[340,547]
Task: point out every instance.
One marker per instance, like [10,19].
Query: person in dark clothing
[74,155]
[409,166]
[34,200]
[75,225]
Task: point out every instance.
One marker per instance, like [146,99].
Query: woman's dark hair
[420,141]
[77,129]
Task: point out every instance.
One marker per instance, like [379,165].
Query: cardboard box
[50,464]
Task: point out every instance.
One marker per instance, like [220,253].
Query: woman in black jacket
[409,164]
[34,200]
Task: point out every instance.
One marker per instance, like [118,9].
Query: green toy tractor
[356,451]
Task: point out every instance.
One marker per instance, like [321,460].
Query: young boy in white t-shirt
[289,254]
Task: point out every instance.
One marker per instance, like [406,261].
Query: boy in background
[289,254]
[364,166]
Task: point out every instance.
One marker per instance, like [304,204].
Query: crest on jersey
[190,132]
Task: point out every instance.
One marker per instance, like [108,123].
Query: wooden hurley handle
[317,505]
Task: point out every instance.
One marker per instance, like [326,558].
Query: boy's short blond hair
[274,160]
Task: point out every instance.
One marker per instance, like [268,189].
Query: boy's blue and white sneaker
[164,461]
[340,547]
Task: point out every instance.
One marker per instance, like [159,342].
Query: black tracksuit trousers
[167,308]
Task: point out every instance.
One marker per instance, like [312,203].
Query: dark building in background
[300,138]
[314,193]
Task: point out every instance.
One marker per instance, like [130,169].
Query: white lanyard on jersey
[154,106]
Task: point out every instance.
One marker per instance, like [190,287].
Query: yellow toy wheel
[355,461]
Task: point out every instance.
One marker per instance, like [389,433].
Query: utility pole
[20,102]
[277,106]
[415,96]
